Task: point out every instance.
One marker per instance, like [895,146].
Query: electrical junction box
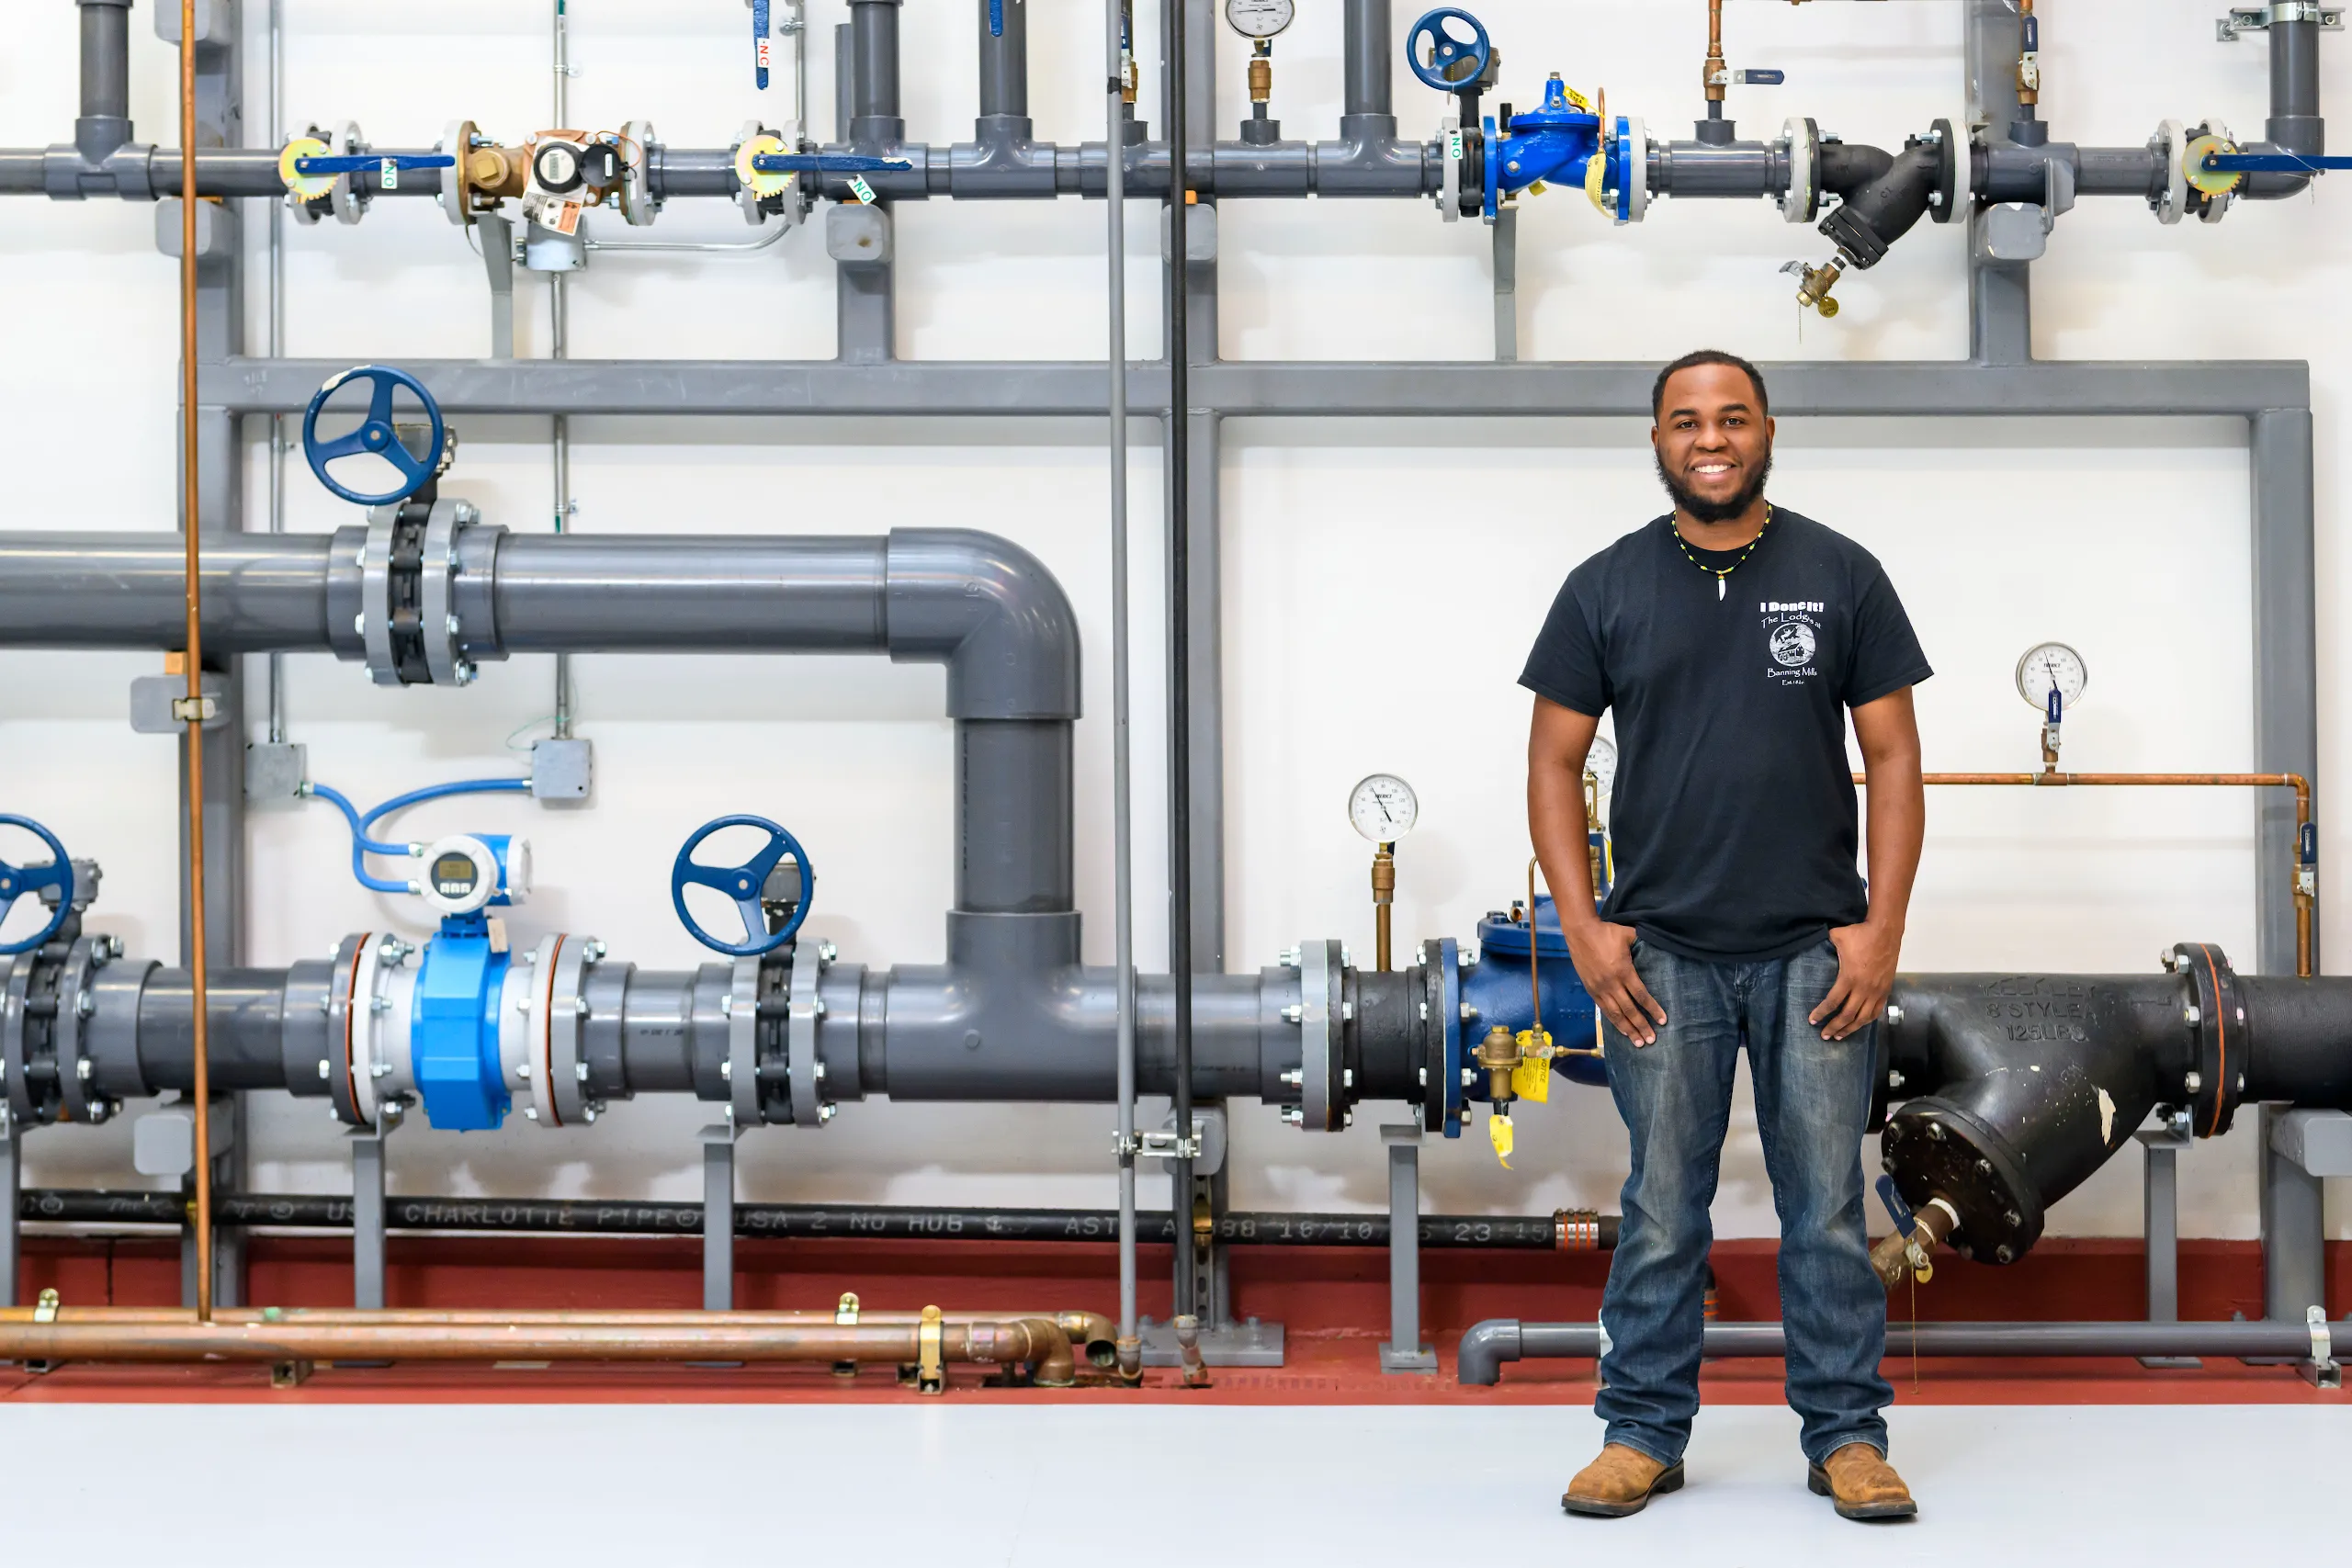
[275,772]
[562,770]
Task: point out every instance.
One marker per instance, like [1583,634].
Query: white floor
[945,1487]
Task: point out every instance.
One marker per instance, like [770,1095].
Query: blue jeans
[1812,1106]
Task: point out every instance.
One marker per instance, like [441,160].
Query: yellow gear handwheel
[2200,178]
[310,188]
[758,184]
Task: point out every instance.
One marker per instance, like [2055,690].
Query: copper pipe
[2296,782]
[193,714]
[1713,69]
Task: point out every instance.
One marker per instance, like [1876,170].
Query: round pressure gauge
[1260,19]
[1384,809]
[1602,763]
[2051,666]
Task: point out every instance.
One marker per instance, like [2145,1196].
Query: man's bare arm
[1868,955]
[1558,741]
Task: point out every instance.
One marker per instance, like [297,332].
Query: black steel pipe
[105,122]
[1487,1346]
[531,1216]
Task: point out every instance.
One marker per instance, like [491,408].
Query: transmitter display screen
[455,875]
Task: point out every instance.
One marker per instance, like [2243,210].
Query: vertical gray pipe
[277,342]
[2295,122]
[1122,755]
[845,83]
[1013,815]
[1366,47]
[874,73]
[1004,62]
[559,347]
[105,122]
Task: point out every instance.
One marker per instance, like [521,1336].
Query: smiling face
[1713,442]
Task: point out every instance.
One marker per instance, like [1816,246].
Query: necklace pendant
[1723,589]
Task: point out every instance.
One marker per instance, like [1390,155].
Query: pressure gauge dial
[1602,763]
[2051,666]
[1384,809]
[1260,19]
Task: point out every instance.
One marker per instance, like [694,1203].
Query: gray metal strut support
[2000,293]
[1404,1350]
[12,1176]
[367,1144]
[1371,389]
[2159,1179]
[718,1217]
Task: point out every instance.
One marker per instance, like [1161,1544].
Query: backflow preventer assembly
[1998,1094]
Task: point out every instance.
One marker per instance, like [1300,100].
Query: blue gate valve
[742,885]
[375,434]
[18,881]
[1446,53]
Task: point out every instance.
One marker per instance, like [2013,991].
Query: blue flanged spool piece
[453,1027]
[741,885]
[1443,70]
[29,881]
[1499,991]
[375,434]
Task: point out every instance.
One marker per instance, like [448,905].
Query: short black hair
[1709,357]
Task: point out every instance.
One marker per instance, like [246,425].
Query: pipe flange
[339,980]
[539,1081]
[743,1043]
[1429,994]
[1948,200]
[1322,1100]
[1638,170]
[360,1028]
[456,184]
[639,203]
[13,1081]
[804,1074]
[1801,202]
[1936,1150]
[350,197]
[567,1005]
[378,1069]
[437,588]
[2171,145]
[78,1098]
[376,590]
[2223,1039]
[1450,1005]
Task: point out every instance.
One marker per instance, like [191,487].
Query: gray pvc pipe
[1488,1345]
[875,120]
[1004,61]
[105,122]
[2295,123]
[125,590]
[1369,99]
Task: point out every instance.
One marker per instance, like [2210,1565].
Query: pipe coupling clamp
[417,563]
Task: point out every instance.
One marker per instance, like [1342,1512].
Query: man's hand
[1603,955]
[1866,956]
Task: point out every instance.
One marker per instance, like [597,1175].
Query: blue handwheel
[374,435]
[18,882]
[741,884]
[1443,69]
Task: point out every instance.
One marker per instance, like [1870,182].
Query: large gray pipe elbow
[1479,1363]
[2295,124]
[992,613]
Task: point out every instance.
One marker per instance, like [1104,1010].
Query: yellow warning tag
[1532,1080]
[1498,1133]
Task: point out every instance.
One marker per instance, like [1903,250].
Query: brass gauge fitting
[1499,1056]
[1261,72]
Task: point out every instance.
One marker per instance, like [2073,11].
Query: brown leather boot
[1621,1482]
[1863,1484]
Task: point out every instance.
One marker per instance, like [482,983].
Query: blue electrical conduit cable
[360,822]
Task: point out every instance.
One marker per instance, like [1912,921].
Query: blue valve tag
[996,18]
[1760,78]
[2057,706]
[1906,1221]
[761,43]
[860,189]
[2308,848]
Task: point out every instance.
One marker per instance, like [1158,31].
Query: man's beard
[1698,508]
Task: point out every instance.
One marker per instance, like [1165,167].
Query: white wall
[1383,580]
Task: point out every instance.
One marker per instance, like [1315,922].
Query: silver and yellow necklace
[1723,589]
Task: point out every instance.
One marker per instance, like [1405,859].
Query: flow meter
[466,872]
[1260,19]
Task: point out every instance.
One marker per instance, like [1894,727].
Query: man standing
[1731,639]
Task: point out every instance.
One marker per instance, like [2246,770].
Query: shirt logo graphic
[1793,644]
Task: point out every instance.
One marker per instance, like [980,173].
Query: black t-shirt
[1733,811]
